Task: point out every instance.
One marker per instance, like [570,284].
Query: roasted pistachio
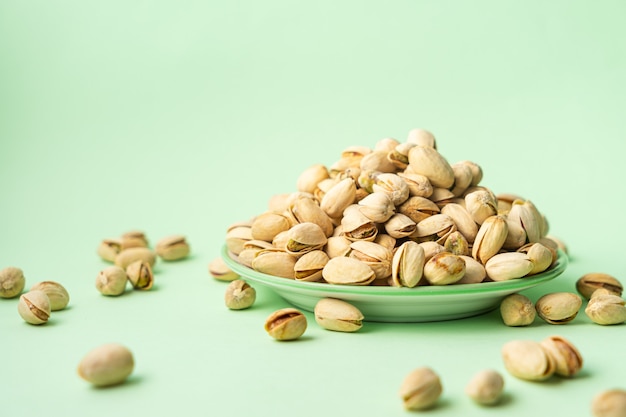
[481,204]
[286,324]
[338,315]
[111,281]
[444,268]
[526,359]
[57,294]
[34,307]
[172,248]
[421,137]
[517,310]
[275,262]
[392,185]
[12,282]
[134,239]
[567,358]
[490,238]
[310,265]
[558,307]
[305,237]
[485,387]
[407,265]
[610,403]
[237,236]
[130,255]
[239,295]
[338,197]
[474,271]
[426,161]
[309,178]
[420,389]
[508,265]
[590,282]
[140,275]
[109,249]
[106,365]
[606,309]
[220,271]
[376,256]
[347,271]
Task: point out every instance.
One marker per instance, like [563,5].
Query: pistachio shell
[457,244]
[490,238]
[426,161]
[474,271]
[407,265]
[275,262]
[588,283]
[421,137]
[435,228]
[477,172]
[305,237]
[462,178]
[337,246]
[377,207]
[444,268]
[392,185]
[338,315]
[286,324]
[481,204]
[356,226]
[236,237]
[508,265]
[340,196]
[399,226]
[377,161]
[606,309]
[485,387]
[431,249]
[399,156]
[567,358]
[347,271]
[376,256]
[309,266]
[306,210]
[309,178]
[420,389]
[558,307]
[525,213]
[386,144]
[267,225]
[539,255]
[418,184]
[463,220]
[418,208]
[526,359]
[517,310]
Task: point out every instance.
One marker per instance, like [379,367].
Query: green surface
[186,116]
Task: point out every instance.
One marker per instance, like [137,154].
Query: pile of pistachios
[396,214]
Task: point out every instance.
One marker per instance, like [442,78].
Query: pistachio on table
[239,295]
[130,255]
[338,315]
[527,359]
[609,403]
[12,282]
[34,307]
[140,275]
[220,271]
[568,360]
[286,324]
[420,389]
[517,310]
[590,282]
[485,387]
[57,294]
[606,309]
[558,307]
[106,365]
[112,281]
[172,248]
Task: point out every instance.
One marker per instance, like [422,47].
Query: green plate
[392,304]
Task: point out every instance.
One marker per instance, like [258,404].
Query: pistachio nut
[386,144]
[130,255]
[305,237]
[485,387]
[337,246]
[172,248]
[236,237]
[250,250]
[590,282]
[386,241]
[399,156]
[281,240]
[347,271]
[267,225]
[609,403]
[277,203]
[490,238]
[392,185]
[12,282]
[462,178]
[421,137]
[481,204]
[434,228]
[239,295]
[275,262]
[567,358]
[309,266]
[463,220]
[606,309]
[431,249]
[419,186]
[474,271]
[220,271]
[407,265]
[377,207]
[516,236]
[540,256]
[140,275]
[109,248]
[477,172]
[137,237]
[112,281]
[400,226]
[307,210]
[505,202]
[356,226]
[525,213]
[338,197]
[426,161]
[418,208]
[57,294]
[444,268]
[527,359]
[107,365]
[377,161]
[420,389]
[323,187]
[508,265]
[310,177]
[442,196]
[558,307]
[34,307]
[517,310]
[338,315]
[375,256]
[457,244]
[286,324]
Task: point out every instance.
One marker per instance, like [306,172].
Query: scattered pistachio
[567,358]
[485,387]
[517,310]
[338,315]
[140,275]
[172,248]
[111,281]
[109,249]
[58,295]
[590,282]
[558,307]
[130,255]
[606,309]
[529,360]
[610,403]
[286,324]
[12,282]
[239,295]
[34,307]
[134,239]
[220,271]
[420,389]
[106,365]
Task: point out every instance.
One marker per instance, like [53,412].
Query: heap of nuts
[398,214]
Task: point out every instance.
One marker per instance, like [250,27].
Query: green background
[186,116]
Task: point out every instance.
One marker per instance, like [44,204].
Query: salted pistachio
[485,387]
[558,307]
[508,265]
[567,358]
[356,226]
[386,144]
[250,250]
[275,262]
[34,307]
[527,359]
[376,256]
[337,246]
[400,226]
[442,196]
[281,240]
[517,310]
[526,214]
[338,197]
[305,237]
[590,282]
[134,239]
[277,203]
[462,178]
[457,244]
[239,295]
[418,208]
[130,255]
[377,161]
[310,177]
[463,220]
[505,202]
[347,271]
[236,237]
[426,161]
[108,249]
[444,268]
[474,271]
[112,281]
[220,271]
[307,210]
[477,172]
[267,225]
[421,137]
[172,248]
[540,256]
[516,235]
[286,324]
[419,185]
[431,249]
[107,365]
[323,187]
[12,282]
[481,204]
[490,238]
[140,275]
[338,315]
[387,241]
[57,294]
[377,207]
[407,265]
[399,156]
[434,228]
[392,185]
[606,309]
[309,266]
[609,403]
[420,389]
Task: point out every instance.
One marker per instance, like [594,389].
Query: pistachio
[474,271]
[516,236]
[400,226]
[610,403]
[337,246]
[420,389]
[377,161]
[462,178]
[477,172]
[250,250]
[399,156]
[428,162]
[385,240]
[481,204]
[220,271]
[434,228]
[540,256]
[407,265]
[34,307]
[431,249]
[356,226]
[106,365]
[463,220]
[442,196]
[307,210]
[485,387]
[444,268]
[606,309]
[508,265]
[517,310]
[308,180]
[529,360]
[172,248]
[109,248]
[112,281]
[375,256]
[386,144]
[558,307]
[134,238]
[525,213]
[567,358]
[275,262]
[305,237]
[57,294]
[421,137]
[140,275]
[418,208]
[392,185]
[457,244]
[236,237]
[419,186]
[377,207]
[338,315]
[590,282]
[12,282]
[490,238]
[309,266]
[338,197]
[130,255]
[267,225]
[347,271]
[286,324]
[239,295]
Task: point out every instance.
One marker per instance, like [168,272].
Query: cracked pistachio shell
[239,295]
[431,249]
[434,228]
[399,156]
[130,255]
[481,204]
[419,185]
[250,249]
[377,161]
[57,294]
[109,248]
[309,266]
[280,241]
[267,225]
[477,172]
[517,310]
[609,403]
[112,281]
[140,275]
[426,161]
[407,265]
[558,307]
[347,271]
[421,137]
[592,281]
[525,213]
[377,207]
[457,244]
[135,235]
[418,208]
[485,387]
[12,282]
[516,235]
[442,196]
[375,256]
[490,238]
[220,271]
[338,315]
[539,255]
[392,185]
[337,246]
[34,307]
[386,241]
[474,271]
[305,237]
[400,226]
[310,177]
[106,365]
[323,187]
[275,262]
[444,268]
[527,359]
[462,178]
[420,389]
[307,210]
[286,324]
[172,248]
[463,220]
[356,226]
[338,197]
[606,309]
[508,265]
[366,180]
[567,359]
[386,144]
[236,237]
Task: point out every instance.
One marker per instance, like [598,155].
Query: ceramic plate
[391,304]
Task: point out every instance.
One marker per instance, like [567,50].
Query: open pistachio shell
[347,271]
[305,237]
[338,315]
[426,161]
[309,266]
[275,262]
[408,265]
[526,359]
[375,256]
